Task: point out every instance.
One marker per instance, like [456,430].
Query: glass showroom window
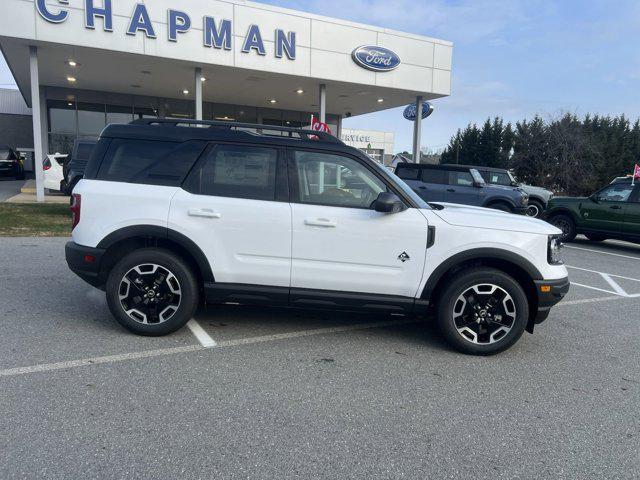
[63,125]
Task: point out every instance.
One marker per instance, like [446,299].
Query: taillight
[75,209]
[46,165]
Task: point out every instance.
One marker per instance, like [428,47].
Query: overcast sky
[512,58]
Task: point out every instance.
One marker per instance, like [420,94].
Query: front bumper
[550,292]
[85,262]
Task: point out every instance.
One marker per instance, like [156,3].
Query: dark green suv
[612,212]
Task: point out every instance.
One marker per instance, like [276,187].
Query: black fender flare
[478,254]
[154,231]
[563,211]
[492,200]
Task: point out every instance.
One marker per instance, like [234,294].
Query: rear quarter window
[149,162]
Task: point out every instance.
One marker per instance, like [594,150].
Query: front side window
[461,179]
[431,175]
[619,192]
[236,171]
[334,180]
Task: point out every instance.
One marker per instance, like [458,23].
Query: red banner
[318,126]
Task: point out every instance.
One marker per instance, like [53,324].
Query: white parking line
[597,289]
[614,285]
[603,273]
[600,251]
[203,337]
[47,367]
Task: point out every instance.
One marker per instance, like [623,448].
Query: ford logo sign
[377,59]
[410,111]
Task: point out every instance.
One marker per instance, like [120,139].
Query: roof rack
[182,122]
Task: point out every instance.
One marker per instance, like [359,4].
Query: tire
[534,209]
[460,321]
[503,207]
[176,297]
[566,224]
[594,237]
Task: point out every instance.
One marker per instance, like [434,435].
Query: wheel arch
[123,241]
[562,211]
[499,200]
[518,267]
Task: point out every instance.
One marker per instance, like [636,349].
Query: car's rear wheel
[152,292]
[483,311]
[566,224]
[534,209]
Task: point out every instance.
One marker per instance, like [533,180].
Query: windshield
[5,154]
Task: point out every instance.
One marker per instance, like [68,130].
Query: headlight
[555,251]
[525,200]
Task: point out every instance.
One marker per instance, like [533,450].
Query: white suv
[173,213]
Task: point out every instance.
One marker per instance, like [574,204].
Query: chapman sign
[377,59]
[217,32]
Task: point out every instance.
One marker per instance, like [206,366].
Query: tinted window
[334,180]
[461,179]
[619,192]
[236,171]
[84,150]
[433,176]
[408,173]
[153,163]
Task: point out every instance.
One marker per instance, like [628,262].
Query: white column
[339,132]
[323,103]
[198,92]
[36,115]
[417,131]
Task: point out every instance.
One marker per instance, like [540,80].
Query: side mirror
[478,184]
[388,203]
[594,198]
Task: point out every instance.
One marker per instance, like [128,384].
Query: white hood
[478,217]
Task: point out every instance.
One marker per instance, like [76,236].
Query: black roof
[182,130]
[424,166]
[477,167]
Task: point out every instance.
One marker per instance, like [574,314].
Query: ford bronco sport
[172,213]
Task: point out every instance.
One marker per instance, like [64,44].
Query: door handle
[204,213]
[422,187]
[452,190]
[320,222]
[616,207]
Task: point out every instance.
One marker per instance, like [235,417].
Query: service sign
[377,59]
[410,111]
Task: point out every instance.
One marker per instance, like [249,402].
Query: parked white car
[53,167]
[168,215]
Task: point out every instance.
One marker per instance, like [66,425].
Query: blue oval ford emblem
[410,111]
[374,58]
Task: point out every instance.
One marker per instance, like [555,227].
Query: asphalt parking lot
[257,393]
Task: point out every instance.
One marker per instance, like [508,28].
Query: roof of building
[12,103]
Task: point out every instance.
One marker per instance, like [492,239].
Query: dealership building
[81,64]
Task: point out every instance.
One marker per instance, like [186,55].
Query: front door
[461,189]
[632,215]
[339,242]
[605,212]
[229,207]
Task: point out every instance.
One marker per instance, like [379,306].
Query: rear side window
[84,151]
[149,162]
[236,171]
[434,176]
[408,173]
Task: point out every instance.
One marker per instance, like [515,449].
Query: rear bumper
[85,262]
[550,292]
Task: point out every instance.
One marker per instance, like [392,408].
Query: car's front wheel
[566,224]
[152,292]
[482,311]
[534,209]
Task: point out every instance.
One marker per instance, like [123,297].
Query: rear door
[340,243]
[234,206]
